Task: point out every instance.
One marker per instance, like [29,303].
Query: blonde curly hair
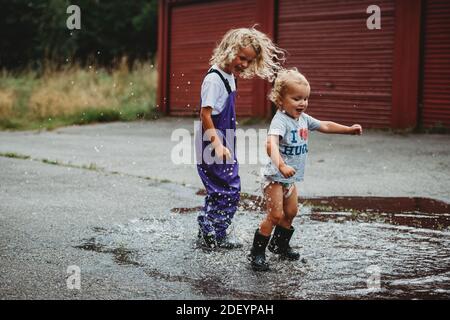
[269,57]
[284,78]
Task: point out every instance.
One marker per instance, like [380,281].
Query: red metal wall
[195,29]
[357,75]
[436,77]
[349,67]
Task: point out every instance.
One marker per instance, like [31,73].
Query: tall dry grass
[7,101]
[65,95]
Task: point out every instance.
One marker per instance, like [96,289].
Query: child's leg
[273,195]
[279,243]
[290,209]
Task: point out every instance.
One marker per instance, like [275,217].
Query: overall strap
[225,81]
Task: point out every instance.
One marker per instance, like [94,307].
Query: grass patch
[14,155]
[91,166]
[54,162]
[77,96]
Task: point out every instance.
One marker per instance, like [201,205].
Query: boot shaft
[259,243]
[257,254]
[280,239]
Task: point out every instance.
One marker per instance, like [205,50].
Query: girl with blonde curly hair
[287,147]
[243,52]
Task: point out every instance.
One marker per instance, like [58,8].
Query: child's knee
[275,218]
[291,213]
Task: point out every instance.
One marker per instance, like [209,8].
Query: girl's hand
[356,129]
[287,171]
[222,152]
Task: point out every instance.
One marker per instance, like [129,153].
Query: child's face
[242,61]
[295,100]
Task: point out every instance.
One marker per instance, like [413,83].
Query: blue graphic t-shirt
[293,144]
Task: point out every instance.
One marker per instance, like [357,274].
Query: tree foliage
[35,31]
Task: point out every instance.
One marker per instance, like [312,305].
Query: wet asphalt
[109,207]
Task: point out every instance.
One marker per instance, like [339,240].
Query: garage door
[349,66]
[194,31]
[436,78]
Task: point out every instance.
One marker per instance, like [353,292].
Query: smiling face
[242,61]
[295,100]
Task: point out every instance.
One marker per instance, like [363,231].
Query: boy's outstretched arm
[208,125]
[333,127]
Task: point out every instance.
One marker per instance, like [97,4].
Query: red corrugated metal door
[194,31]
[436,77]
[349,66]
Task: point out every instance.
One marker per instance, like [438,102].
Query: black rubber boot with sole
[206,241]
[257,254]
[226,243]
[279,244]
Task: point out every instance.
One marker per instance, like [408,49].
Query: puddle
[349,243]
[122,256]
[382,204]
[411,212]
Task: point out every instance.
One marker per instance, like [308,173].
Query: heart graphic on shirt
[303,133]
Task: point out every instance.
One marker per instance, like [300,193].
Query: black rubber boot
[280,243]
[206,241]
[257,254]
[226,243]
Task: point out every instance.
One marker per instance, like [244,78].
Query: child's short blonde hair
[268,56]
[282,81]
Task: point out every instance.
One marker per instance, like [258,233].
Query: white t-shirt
[213,92]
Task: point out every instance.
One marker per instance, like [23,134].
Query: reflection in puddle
[343,239]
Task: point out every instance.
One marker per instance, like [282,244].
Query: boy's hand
[222,152]
[287,171]
[356,129]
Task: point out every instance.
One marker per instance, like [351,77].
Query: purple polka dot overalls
[221,180]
